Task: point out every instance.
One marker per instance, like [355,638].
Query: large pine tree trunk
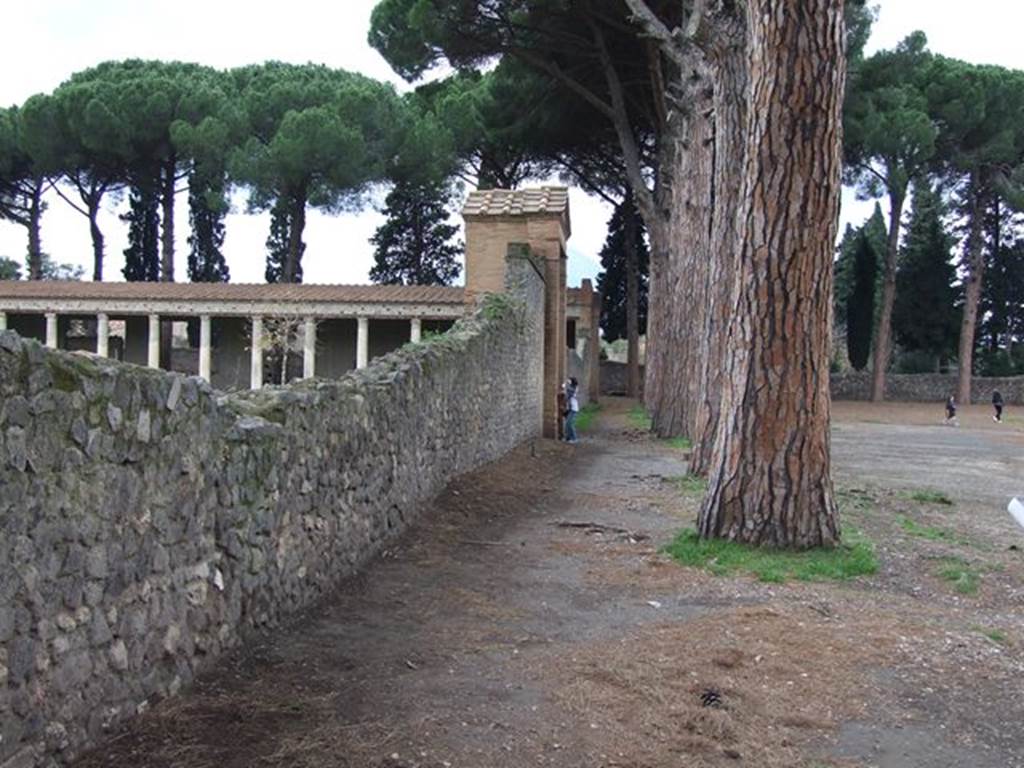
[35,241]
[96,234]
[296,226]
[972,293]
[770,481]
[632,302]
[728,57]
[167,233]
[883,337]
[682,292]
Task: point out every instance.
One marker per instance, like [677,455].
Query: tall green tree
[875,230]
[317,137]
[980,110]
[207,209]
[26,172]
[626,237]
[415,246]
[92,154]
[142,256]
[151,106]
[890,140]
[859,306]
[1002,300]
[925,317]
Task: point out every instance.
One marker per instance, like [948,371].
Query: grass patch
[995,635]
[689,485]
[930,532]
[679,443]
[927,496]
[959,573]
[585,418]
[639,418]
[854,557]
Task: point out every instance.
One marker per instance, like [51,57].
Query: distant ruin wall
[926,387]
[148,522]
[615,378]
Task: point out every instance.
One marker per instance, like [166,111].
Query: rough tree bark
[96,234]
[973,281]
[770,481]
[727,55]
[167,233]
[34,224]
[296,225]
[632,303]
[883,337]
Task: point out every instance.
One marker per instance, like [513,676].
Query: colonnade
[205,339]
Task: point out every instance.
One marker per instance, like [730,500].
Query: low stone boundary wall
[615,378]
[148,523]
[926,387]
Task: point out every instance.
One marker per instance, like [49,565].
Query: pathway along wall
[148,523]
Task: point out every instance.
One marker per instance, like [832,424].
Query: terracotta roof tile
[519,202]
[278,292]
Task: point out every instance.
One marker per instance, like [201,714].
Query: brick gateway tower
[538,219]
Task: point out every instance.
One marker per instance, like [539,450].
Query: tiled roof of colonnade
[70,297]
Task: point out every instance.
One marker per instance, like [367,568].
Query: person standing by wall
[572,409]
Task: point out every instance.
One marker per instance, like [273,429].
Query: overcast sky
[45,41]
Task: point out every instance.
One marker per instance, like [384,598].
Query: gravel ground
[530,619]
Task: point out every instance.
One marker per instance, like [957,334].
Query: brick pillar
[539,219]
[594,347]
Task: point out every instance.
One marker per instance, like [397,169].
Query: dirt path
[492,636]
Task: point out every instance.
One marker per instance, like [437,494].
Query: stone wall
[926,387]
[148,522]
[615,378]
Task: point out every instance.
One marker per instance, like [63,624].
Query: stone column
[204,348]
[51,330]
[362,342]
[3,321]
[309,349]
[153,359]
[256,371]
[415,330]
[102,335]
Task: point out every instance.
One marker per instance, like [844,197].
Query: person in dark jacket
[951,411]
[997,404]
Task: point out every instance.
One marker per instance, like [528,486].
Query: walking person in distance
[997,404]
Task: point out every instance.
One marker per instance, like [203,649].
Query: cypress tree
[925,317]
[611,283]
[860,304]
[206,218]
[142,256]
[277,244]
[414,246]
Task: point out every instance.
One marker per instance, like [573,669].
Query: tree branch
[671,42]
[573,85]
[620,119]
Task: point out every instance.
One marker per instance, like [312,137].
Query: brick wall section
[148,523]
[926,387]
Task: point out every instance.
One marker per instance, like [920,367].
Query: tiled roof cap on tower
[519,202]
